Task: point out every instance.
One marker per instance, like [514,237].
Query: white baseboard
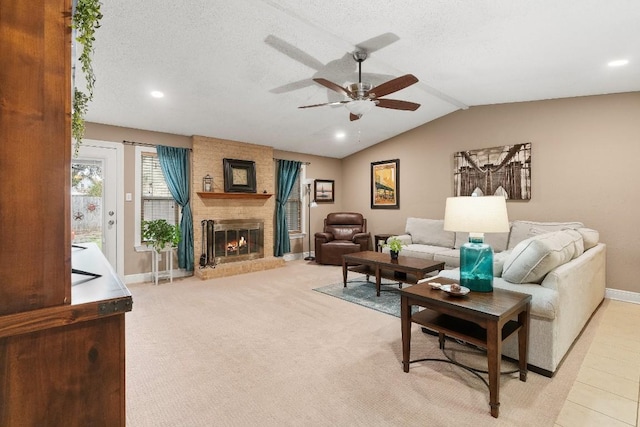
[148,277]
[300,255]
[619,295]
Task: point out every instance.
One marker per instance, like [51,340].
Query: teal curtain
[287,172]
[174,163]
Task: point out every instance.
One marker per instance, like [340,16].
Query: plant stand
[168,264]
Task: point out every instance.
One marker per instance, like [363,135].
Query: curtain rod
[304,163]
[144,144]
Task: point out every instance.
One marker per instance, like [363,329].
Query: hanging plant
[85,21]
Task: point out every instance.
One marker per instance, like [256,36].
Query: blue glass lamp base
[476,266]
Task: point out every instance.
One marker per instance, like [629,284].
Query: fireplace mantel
[213,195]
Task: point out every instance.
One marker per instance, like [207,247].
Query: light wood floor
[606,390]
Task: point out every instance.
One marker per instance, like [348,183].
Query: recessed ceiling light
[340,135]
[618,63]
[157,94]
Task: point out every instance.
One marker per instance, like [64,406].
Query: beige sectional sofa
[561,264]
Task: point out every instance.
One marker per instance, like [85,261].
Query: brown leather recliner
[344,233]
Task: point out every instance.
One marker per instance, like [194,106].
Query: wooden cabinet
[61,352]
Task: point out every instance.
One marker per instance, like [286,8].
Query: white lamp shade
[307,181]
[486,214]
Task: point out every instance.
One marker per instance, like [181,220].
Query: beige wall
[585,153]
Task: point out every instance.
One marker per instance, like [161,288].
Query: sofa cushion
[589,237]
[521,230]
[498,241]
[429,232]
[420,251]
[450,257]
[534,257]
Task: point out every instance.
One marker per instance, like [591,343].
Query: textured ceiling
[239,69]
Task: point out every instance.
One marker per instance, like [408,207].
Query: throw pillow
[533,258]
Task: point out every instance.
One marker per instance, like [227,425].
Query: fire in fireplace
[231,240]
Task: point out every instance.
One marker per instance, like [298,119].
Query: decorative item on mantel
[207,183]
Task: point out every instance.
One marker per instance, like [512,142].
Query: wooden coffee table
[404,270]
[484,319]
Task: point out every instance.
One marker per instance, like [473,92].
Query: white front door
[94,199]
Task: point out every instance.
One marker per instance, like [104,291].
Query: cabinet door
[35,153]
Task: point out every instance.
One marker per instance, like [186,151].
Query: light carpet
[264,349]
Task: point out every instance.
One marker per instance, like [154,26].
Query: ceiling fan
[365,96]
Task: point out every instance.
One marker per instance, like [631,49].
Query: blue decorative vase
[476,265]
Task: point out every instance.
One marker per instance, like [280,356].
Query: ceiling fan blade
[396,104]
[330,85]
[353,117]
[394,85]
[326,103]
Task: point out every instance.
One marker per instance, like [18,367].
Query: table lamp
[476,215]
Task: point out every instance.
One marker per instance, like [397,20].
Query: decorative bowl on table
[456,292]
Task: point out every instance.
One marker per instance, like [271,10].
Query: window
[293,207]
[156,201]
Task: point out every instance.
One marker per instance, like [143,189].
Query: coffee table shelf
[400,276]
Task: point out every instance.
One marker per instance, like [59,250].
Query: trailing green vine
[85,20]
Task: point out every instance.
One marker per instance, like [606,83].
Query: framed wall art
[504,171]
[385,184]
[239,176]
[323,191]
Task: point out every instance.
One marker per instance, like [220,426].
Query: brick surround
[207,158]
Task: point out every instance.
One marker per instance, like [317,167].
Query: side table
[377,238]
[168,264]
[484,319]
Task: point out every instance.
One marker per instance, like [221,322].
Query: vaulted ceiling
[240,69]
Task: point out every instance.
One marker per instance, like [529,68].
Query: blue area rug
[361,292]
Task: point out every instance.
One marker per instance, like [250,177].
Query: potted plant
[159,233]
[395,246]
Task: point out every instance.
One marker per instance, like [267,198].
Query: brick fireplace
[224,208]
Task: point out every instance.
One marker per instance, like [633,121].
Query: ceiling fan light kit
[360,106]
[362,95]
